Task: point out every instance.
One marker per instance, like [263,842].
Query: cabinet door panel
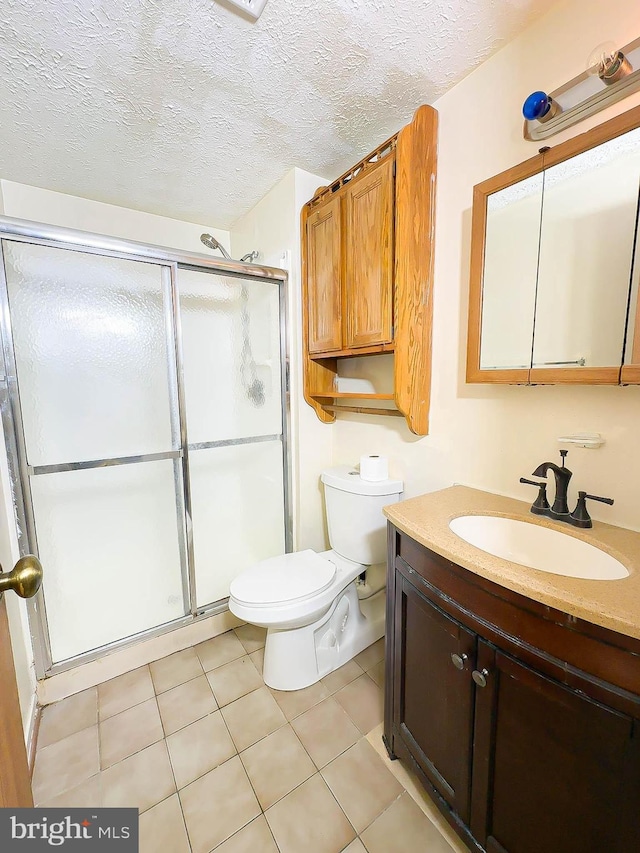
[435,698]
[324,291]
[559,774]
[369,257]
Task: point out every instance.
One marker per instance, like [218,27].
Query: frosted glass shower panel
[231,346]
[238,512]
[108,541]
[91,354]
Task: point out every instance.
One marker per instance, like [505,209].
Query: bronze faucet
[560,509]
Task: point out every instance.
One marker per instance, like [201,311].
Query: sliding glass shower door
[233,396]
[146,404]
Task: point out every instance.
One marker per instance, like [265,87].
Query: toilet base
[298,657]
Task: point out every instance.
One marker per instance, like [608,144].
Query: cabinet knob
[459,661]
[480,677]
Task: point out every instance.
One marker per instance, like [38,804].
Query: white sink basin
[537,547]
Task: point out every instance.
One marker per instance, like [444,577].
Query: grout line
[210,771]
[59,740]
[124,710]
[346,684]
[135,704]
[230,631]
[246,773]
[184,820]
[182,683]
[184,823]
[386,809]
[137,752]
[164,800]
[277,846]
[132,753]
[206,714]
[316,771]
[173,686]
[328,787]
[173,772]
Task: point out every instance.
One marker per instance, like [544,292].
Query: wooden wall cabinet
[367,243]
[522,723]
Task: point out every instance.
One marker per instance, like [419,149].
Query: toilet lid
[285,579]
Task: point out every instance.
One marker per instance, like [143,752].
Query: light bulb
[540,106]
[608,63]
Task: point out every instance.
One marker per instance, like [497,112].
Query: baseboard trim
[72,681]
[32,733]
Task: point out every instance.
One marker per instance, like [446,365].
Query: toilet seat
[287,579]
[300,587]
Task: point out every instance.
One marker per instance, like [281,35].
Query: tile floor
[215,760]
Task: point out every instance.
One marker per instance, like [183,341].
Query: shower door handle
[24,579]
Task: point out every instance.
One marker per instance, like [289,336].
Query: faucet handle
[541,505]
[563,455]
[580,516]
[595,498]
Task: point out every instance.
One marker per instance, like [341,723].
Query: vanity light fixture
[251,7]
[612,74]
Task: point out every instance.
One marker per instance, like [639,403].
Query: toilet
[322,609]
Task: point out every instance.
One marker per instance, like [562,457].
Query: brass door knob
[25,579]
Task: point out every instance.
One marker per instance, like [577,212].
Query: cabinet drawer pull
[459,661]
[480,677]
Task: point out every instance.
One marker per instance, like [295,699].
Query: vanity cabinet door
[434,699]
[553,770]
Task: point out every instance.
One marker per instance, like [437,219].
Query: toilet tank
[357,527]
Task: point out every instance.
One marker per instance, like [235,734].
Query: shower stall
[144,407]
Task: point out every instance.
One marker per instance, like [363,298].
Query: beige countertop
[613,604]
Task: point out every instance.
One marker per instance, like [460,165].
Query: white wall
[489,436]
[273,227]
[39,205]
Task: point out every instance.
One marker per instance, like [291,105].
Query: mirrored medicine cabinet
[555,264]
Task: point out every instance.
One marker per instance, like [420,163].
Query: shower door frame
[169,262]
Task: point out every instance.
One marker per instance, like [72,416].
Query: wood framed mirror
[555,264]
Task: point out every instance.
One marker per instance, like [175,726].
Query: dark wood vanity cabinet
[436,724]
[523,723]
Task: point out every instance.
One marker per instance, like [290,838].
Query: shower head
[211,243]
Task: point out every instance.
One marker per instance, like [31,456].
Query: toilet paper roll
[374,468]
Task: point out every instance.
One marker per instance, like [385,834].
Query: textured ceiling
[187,108]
